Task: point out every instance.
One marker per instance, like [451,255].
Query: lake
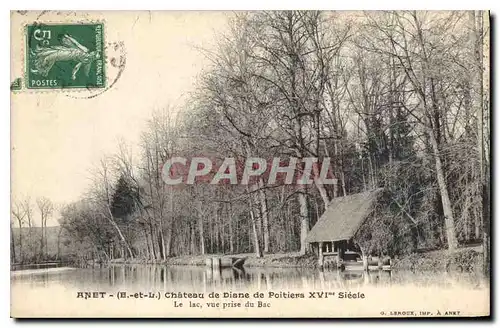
[156,290]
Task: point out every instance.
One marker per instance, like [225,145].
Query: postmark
[65,56]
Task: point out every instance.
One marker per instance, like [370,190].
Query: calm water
[201,279]
[55,294]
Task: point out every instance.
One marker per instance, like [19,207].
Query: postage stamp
[65,56]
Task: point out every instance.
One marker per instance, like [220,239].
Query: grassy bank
[463,259]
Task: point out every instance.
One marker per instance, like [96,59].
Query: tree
[478,42]
[407,38]
[394,99]
[19,215]
[46,209]
[101,195]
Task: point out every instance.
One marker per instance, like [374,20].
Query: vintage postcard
[263,164]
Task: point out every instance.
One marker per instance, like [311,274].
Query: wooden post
[226,262]
[209,273]
[366,278]
[338,258]
[322,278]
[320,257]
[216,263]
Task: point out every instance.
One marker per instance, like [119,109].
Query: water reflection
[202,279]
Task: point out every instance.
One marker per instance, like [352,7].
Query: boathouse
[332,237]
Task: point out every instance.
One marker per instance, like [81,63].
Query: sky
[57,136]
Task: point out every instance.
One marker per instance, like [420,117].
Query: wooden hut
[332,236]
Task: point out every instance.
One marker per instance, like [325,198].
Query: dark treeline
[395,99]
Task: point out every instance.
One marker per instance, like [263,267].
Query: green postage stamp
[64,56]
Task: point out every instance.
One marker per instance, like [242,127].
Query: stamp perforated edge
[24,40]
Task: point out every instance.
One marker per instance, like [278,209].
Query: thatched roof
[343,217]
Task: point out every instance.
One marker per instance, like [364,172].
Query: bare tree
[28,211]
[407,41]
[18,214]
[46,209]
[389,97]
[102,197]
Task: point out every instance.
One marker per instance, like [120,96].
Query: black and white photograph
[250,164]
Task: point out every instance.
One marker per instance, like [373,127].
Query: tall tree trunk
[170,223]
[215,229]
[12,245]
[122,237]
[148,247]
[21,253]
[161,244]
[265,215]
[304,218]
[168,241]
[211,235]
[40,256]
[59,243]
[222,235]
[29,244]
[477,20]
[202,236]
[120,234]
[109,215]
[153,244]
[230,223]
[192,239]
[45,237]
[445,198]
[256,243]
[321,188]
[477,219]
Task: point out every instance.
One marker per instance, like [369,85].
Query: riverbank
[271,260]
[284,260]
[39,271]
[463,259]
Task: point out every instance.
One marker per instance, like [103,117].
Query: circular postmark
[116,59]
